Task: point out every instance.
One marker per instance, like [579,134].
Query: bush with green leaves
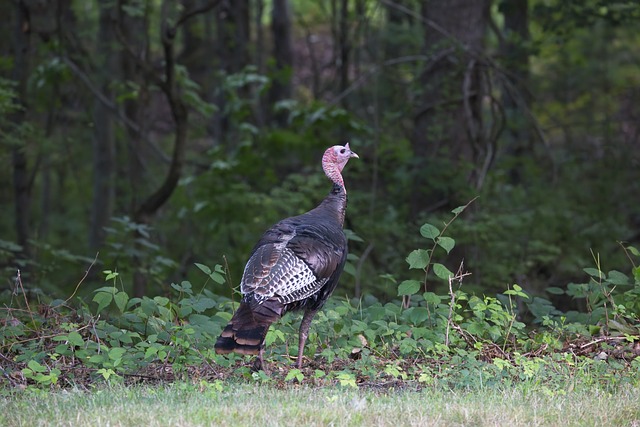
[417,337]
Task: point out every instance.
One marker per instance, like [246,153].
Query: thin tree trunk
[103,137]
[21,43]
[233,26]
[515,54]
[263,109]
[359,36]
[135,31]
[283,55]
[259,30]
[344,48]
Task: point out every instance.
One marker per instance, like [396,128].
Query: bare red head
[334,160]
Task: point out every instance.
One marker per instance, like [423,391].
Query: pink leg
[304,333]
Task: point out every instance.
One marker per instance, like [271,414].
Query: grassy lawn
[236,404]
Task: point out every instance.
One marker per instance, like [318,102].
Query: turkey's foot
[258,364]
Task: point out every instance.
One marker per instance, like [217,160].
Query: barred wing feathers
[293,261]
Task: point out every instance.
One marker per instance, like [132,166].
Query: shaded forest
[143,136]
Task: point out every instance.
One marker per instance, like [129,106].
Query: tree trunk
[103,137]
[196,45]
[283,56]
[232,56]
[134,29]
[515,55]
[448,121]
[21,43]
[344,48]
[233,35]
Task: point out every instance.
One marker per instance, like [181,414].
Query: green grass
[182,404]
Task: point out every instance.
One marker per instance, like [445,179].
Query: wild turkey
[296,265]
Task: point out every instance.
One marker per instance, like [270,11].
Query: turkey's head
[334,160]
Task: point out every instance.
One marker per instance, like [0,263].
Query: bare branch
[86,273]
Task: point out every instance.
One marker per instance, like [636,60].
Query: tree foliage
[153,135]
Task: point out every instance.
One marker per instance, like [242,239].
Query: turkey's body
[295,265]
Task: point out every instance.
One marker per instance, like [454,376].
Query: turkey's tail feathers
[248,327]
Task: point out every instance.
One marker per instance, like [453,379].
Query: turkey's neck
[333,172]
[335,203]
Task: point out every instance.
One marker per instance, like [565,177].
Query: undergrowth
[421,339]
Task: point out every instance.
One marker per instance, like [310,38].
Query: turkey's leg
[304,333]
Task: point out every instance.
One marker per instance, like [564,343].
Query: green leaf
[459,209]
[96,358]
[110,275]
[431,298]
[446,243]
[350,269]
[214,275]
[577,290]
[441,271]
[103,299]
[419,315]
[517,291]
[389,277]
[161,301]
[204,268]
[418,259]
[621,326]
[116,353]
[555,290]
[352,236]
[617,278]
[203,303]
[217,277]
[409,287]
[121,299]
[347,379]
[429,231]
[273,335]
[633,250]
[75,339]
[36,367]
[594,272]
[150,352]
[294,374]
[108,289]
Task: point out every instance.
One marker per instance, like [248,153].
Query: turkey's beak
[351,153]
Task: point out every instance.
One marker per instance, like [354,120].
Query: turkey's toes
[259,365]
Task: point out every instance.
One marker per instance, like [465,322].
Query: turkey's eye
[342,151]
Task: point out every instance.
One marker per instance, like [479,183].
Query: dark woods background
[157,134]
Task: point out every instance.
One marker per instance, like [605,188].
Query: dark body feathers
[295,265]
